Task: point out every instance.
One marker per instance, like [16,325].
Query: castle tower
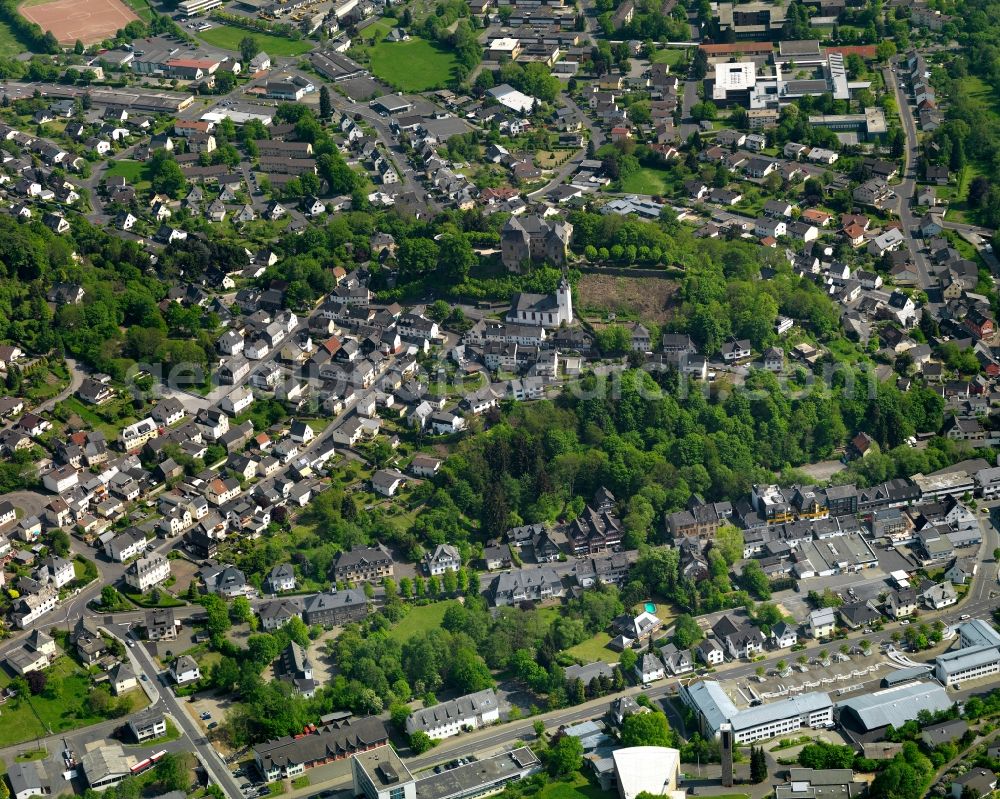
[564,299]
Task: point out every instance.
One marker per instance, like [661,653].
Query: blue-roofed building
[896,706]
[714,708]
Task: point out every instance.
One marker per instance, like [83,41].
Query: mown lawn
[594,649]
[413,66]
[646,181]
[132,171]
[142,8]
[228,37]
[419,619]
[60,707]
[578,787]
[670,55]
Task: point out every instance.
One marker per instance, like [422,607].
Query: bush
[421,742]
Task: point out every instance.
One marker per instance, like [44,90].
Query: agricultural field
[631,297]
[228,37]
[413,66]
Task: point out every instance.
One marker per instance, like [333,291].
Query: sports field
[87,20]
[412,66]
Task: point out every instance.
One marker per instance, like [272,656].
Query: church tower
[564,300]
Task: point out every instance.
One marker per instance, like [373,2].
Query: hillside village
[519,398]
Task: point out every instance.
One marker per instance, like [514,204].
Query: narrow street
[907,189]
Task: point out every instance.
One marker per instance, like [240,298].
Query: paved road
[570,166]
[906,191]
[688,101]
[207,754]
[76,375]
[408,180]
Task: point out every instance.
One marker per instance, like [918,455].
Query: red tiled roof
[736,47]
[863,50]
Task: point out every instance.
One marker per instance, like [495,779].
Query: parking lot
[839,675]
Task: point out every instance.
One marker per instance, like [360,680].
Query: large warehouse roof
[896,705]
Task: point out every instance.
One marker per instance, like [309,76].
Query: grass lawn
[645,181]
[670,55]
[401,521]
[413,66]
[228,37]
[132,171]
[142,8]
[90,415]
[419,619]
[53,711]
[9,45]
[593,649]
[146,600]
[547,159]
[578,787]
[975,88]
[32,754]
[377,31]
[549,614]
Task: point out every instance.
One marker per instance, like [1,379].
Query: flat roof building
[827,783]
[733,80]
[978,655]
[380,774]
[715,708]
[482,776]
